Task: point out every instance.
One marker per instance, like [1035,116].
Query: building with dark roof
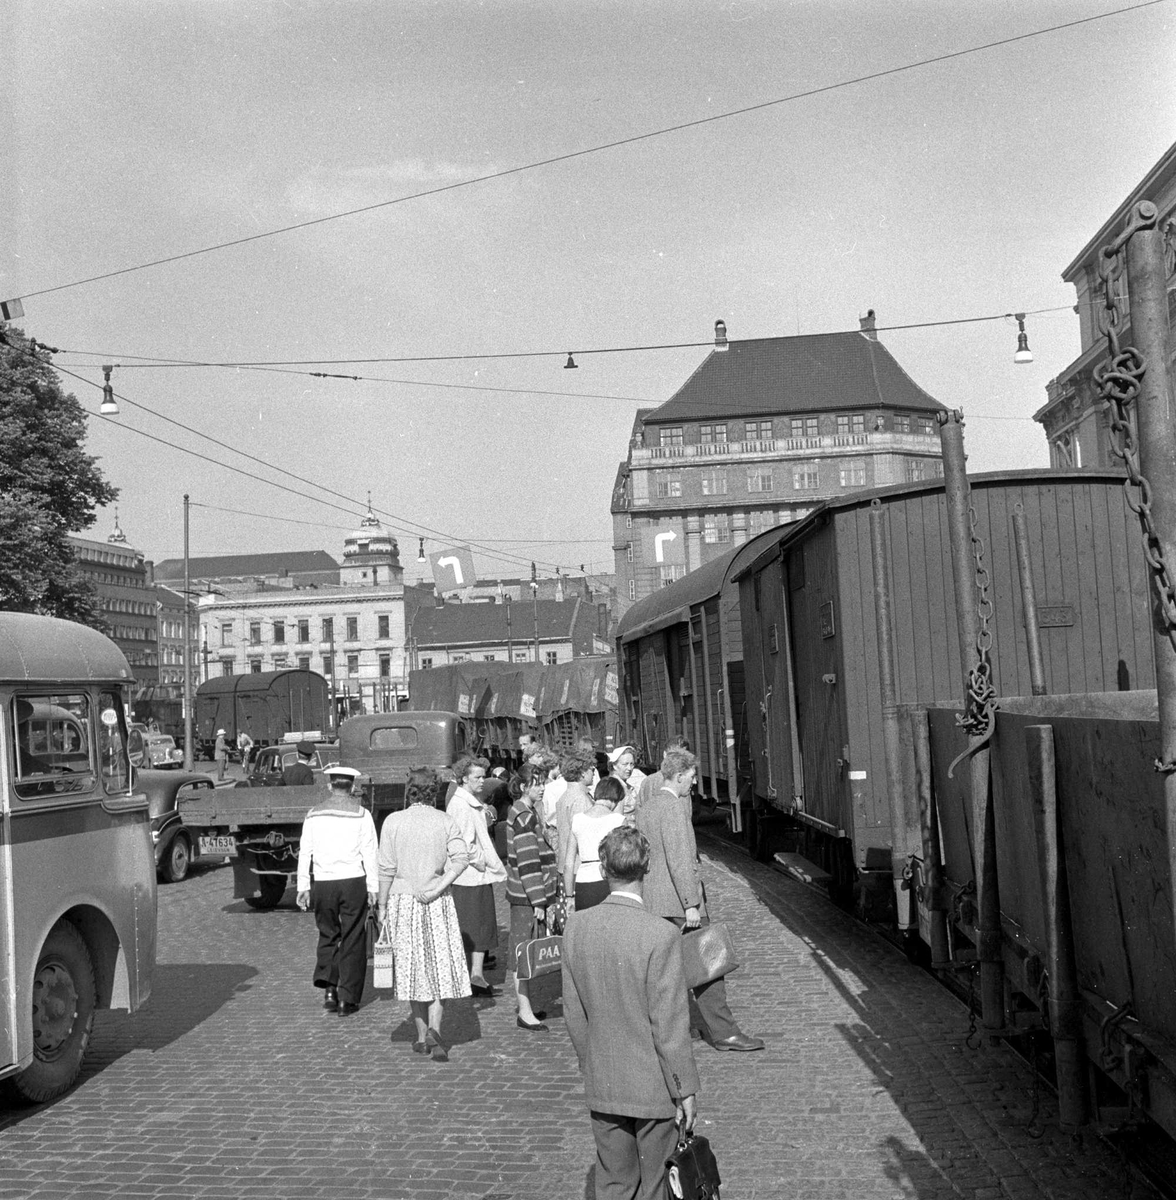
[762,432]
[229,573]
[1075,419]
[550,631]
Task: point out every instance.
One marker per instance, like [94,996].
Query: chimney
[868,326]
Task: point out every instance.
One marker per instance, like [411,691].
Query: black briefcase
[692,1172]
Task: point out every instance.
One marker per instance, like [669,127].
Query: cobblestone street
[233,1083]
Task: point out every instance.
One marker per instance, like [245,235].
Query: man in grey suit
[674,888]
[625,1005]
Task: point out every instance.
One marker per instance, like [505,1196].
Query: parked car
[268,763]
[177,848]
[160,752]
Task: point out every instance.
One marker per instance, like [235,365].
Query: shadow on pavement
[183,996]
[459,1024]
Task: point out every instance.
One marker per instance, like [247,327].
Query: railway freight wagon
[267,705]
[810,628]
[1085,858]
[680,652]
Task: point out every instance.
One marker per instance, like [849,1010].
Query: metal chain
[978,720]
[1119,380]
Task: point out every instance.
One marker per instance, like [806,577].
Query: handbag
[383,959]
[557,912]
[539,955]
[692,1173]
[707,954]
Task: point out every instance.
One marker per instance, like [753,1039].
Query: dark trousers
[709,1010]
[631,1155]
[340,910]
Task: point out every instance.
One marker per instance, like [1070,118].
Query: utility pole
[189,757]
[509,641]
[535,600]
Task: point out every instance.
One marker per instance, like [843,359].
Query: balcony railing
[838,443]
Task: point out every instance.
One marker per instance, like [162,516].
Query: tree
[48,487]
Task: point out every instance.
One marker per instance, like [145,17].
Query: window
[385,666]
[853,473]
[353,664]
[328,629]
[489,658]
[280,662]
[353,629]
[329,665]
[279,632]
[716,528]
[226,633]
[712,434]
[551,657]
[669,574]
[805,477]
[628,520]
[629,552]
[304,662]
[394,737]
[113,762]
[632,589]
[255,633]
[927,426]
[304,631]
[522,656]
[226,666]
[851,423]
[756,431]
[714,483]
[382,627]
[759,520]
[669,483]
[759,479]
[426,663]
[52,745]
[916,469]
[902,422]
[255,666]
[672,436]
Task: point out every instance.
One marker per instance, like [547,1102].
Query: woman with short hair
[581,865]
[422,852]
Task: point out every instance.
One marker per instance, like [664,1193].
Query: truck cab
[384,747]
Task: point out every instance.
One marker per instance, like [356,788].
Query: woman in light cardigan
[473,891]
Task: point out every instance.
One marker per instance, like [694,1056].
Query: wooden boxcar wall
[1092,595]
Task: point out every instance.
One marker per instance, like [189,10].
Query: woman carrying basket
[421,853]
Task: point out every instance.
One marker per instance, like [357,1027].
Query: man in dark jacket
[300,773]
[625,1005]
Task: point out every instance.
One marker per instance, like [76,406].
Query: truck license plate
[217,847]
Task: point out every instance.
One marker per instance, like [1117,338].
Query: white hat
[344,772]
[617,751]
[220,733]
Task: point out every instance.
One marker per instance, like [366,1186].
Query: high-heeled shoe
[437,1048]
[539,1028]
[484,989]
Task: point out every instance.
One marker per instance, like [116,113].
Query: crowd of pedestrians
[586,845]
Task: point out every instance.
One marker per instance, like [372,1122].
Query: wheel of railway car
[271,890]
[64,1000]
[178,859]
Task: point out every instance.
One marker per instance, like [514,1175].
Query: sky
[138,131]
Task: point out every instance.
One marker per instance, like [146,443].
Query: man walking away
[220,752]
[625,1005]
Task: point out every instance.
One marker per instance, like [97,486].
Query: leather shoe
[438,1051]
[330,1000]
[539,1028]
[738,1041]
[419,1047]
[347,1009]
[483,989]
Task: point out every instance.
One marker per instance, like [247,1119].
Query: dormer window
[363,547]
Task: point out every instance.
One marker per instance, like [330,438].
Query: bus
[77,872]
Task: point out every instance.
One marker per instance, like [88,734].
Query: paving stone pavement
[234,1084]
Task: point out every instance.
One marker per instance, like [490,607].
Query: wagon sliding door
[820,719]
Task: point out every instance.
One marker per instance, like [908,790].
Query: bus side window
[113,760]
[52,751]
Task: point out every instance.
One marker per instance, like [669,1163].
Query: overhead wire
[398,522]
[598,149]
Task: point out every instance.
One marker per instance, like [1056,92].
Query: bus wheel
[178,859]
[64,999]
[273,888]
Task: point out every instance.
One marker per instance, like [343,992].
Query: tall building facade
[352,631]
[1075,420]
[119,573]
[758,436]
